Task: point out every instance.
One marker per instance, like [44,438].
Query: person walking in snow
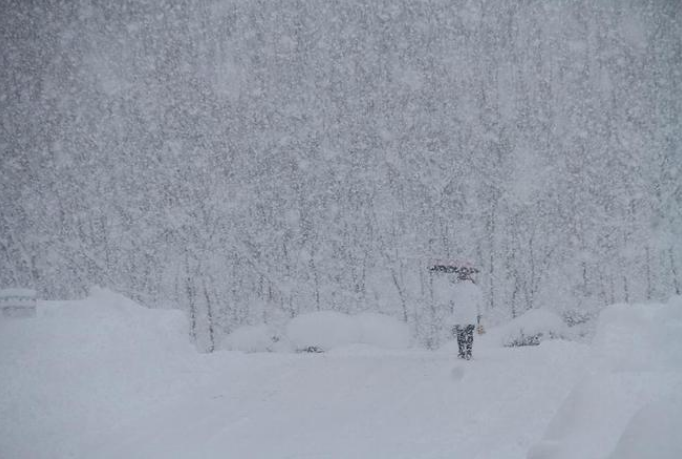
[467,311]
[464,301]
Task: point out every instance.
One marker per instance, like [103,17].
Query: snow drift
[71,371]
[326,330]
[653,432]
[531,328]
[249,338]
[619,405]
[107,378]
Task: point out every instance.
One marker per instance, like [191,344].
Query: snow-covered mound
[74,368]
[653,432]
[107,378]
[641,337]
[531,328]
[326,330]
[114,323]
[320,332]
[255,338]
[619,402]
[383,331]
[323,331]
[249,338]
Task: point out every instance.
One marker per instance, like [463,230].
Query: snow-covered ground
[106,378]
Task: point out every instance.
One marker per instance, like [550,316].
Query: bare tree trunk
[209,316]
[673,267]
[189,290]
[401,293]
[491,246]
[602,289]
[649,287]
[532,288]
[626,289]
[316,278]
[515,292]
[192,309]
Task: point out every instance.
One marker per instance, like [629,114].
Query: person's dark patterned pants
[465,339]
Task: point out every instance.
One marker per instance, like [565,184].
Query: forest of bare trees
[251,160]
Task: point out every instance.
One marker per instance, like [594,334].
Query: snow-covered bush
[576,317]
[250,338]
[321,331]
[581,323]
[383,331]
[325,330]
[530,329]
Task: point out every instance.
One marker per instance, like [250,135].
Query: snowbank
[619,404]
[79,365]
[653,432]
[255,338]
[106,377]
[323,331]
[383,331]
[250,338]
[532,328]
[640,337]
[326,330]
[320,332]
